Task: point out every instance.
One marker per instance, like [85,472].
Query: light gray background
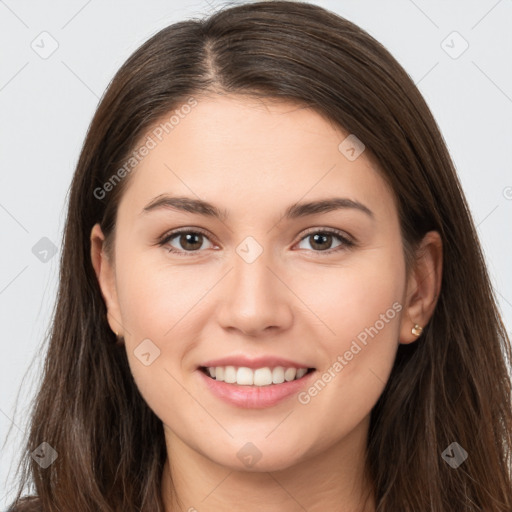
[47,103]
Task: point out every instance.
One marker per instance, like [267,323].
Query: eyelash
[346,243]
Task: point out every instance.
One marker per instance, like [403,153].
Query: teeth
[278,375]
[301,372]
[260,377]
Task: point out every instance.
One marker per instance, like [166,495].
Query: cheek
[353,297]
[156,303]
[155,297]
[360,311]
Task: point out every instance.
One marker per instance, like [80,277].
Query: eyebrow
[294,211]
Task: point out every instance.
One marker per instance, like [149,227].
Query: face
[319,288]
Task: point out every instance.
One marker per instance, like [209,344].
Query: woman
[272,295]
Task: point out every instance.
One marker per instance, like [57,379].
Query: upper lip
[255,362]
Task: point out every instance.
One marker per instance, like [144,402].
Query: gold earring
[119,339]
[417,330]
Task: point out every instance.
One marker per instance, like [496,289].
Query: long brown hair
[451,385]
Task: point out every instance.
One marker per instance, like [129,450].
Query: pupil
[323,236]
[189,236]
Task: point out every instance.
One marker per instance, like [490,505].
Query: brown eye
[190,241]
[322,240]
[184,241]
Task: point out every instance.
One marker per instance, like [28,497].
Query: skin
[296,300]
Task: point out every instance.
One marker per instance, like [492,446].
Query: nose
[255,298]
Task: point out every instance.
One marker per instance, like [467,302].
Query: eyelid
[334,231]
[164,239]
[347,240]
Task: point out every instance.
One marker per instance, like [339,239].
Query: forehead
[246,151]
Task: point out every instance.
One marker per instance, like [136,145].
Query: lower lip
[255,397]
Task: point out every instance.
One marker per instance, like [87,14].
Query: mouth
[255,388]
[259,377]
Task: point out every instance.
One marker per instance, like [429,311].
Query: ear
[423,286]
[105,273]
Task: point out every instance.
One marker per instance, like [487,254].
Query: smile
[262,392]
[245,376]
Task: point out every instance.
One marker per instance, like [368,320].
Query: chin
[251,459]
